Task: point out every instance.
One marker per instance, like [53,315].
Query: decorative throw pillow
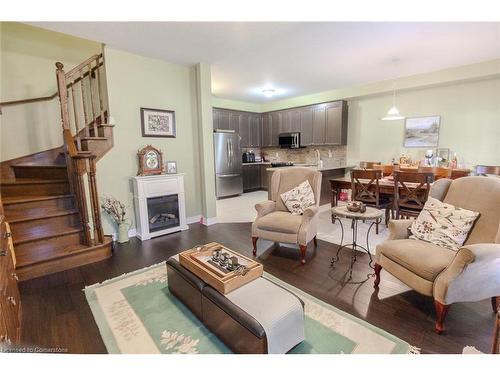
[299,198]
[443,224]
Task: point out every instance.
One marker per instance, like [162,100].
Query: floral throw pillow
[299,198]
[443,224]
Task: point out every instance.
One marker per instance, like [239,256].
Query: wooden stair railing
[82,109]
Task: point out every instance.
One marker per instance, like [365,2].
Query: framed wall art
[171,167]
[157,123]
[422,131]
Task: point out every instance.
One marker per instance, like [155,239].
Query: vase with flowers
[118,212]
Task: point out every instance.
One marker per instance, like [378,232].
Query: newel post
[94,199]
[63,94]
[79,167]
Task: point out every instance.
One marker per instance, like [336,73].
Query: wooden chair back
[366,192]
[483,170]
[457,173]
[495,345]
[411,197]
[368,164]
[439,172]
[386,169]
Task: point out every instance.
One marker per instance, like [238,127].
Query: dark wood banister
[80,162]
[49,97]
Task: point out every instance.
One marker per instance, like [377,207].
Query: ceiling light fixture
[268,93]
[393,112]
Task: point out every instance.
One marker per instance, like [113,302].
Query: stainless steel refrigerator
[228,178]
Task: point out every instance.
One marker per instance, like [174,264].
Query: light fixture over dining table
[393,112]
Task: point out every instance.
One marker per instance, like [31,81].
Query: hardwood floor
[56,314]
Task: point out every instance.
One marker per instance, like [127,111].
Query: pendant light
[393,112]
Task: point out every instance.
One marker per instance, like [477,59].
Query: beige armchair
[275,223]
[470,274]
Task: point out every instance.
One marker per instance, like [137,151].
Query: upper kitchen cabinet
[276,127]
[306,126]
[222,119]
[234,121]
[255,129]
[319,125]
[266,130]
[290,121]
[244,130]
[336,123]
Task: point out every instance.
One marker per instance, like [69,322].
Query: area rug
[136,313]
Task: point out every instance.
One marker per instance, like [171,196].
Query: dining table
[386,186]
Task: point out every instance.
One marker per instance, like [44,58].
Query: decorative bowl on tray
[356,206]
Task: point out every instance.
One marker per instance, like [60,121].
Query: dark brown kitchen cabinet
[255,128]
[234,121]
[244,130]
[251,177]
[336,124]
[222,120]
[319,125]
[267,131]
[276,128]
[306,126]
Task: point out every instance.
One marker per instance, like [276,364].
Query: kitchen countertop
[258,163]
[313,166]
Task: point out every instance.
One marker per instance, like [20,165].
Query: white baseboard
[193,219]
[208,221]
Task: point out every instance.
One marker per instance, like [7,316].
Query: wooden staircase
[54,216]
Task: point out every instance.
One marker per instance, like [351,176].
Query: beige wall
[28,57]
[133,82]
[470,122]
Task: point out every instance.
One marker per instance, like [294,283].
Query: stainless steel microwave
[289,140]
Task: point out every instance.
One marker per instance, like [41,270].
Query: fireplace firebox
[163,212]
[159,205]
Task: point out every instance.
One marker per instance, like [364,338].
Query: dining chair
[411,190]
[386,169]
[495,346]
[439,172]
[365,188]
[484,170]
[458,173]
[368,164]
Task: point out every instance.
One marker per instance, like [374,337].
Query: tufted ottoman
[259,317]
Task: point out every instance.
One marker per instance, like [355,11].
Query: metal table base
[354,245]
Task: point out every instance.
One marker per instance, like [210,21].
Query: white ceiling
[298,58]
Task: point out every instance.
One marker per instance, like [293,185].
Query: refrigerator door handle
[228,175]
[231,151]
[228,153]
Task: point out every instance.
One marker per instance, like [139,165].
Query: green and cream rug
[136,313]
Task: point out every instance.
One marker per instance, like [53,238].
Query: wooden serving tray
[224,282]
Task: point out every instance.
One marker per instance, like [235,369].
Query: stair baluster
[81,162]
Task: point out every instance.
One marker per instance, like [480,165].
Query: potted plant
[118,212]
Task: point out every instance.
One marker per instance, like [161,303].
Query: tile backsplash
[332,156]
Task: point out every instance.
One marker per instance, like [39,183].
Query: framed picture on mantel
[422,131]
[157,123]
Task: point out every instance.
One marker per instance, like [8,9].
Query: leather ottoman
[234,326]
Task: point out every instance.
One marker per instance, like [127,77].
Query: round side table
[370,214]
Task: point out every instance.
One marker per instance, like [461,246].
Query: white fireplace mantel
[157,186]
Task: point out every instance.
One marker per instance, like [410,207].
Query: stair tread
[33,198]
[59,233]
[106,125]
[35,165]
[30,181]
[94,138]
[42,257]
[19,217]
[67,251]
